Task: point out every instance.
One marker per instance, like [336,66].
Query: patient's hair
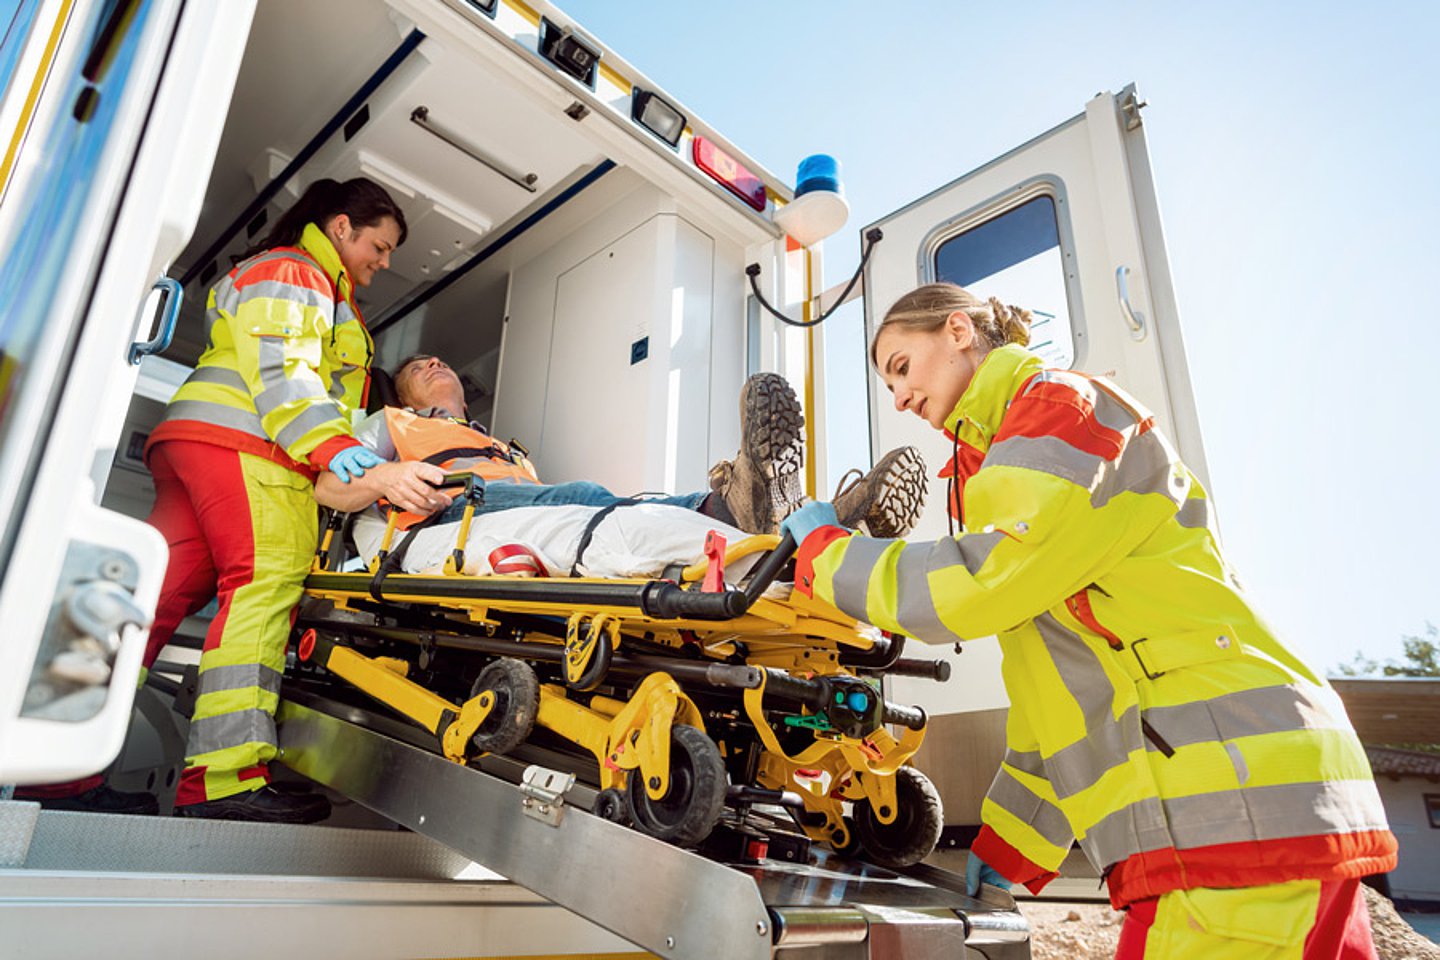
[926,308]
[364,201]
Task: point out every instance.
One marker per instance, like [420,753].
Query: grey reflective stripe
[287,391]
[317,415]
[1108,741]
[1244,713]
[1027,761]
[1135,828]
[1080,765]
[1146,465]
[914,605]
[272,362]
[289,292]
[344,313]
[1248,814]
[1194,513]
[209,734]
[216,413]
[852,580]
[241,676]
[220,376]
[1029,807]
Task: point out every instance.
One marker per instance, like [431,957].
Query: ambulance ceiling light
[819,208]
[656,115]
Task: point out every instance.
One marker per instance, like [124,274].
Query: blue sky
[1295,150]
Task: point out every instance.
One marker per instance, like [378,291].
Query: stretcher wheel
[517,700]
[691,807]
[610,805]
[913,833]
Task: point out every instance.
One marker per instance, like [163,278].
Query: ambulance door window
[1017,257]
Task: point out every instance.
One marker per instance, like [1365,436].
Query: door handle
[172,295]
[1134,319]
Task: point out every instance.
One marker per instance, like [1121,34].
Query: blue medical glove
[977,871]
[353,462]
[808,519]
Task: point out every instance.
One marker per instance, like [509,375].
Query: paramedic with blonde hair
[1205,770]
[235,459]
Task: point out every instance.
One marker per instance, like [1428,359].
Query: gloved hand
[808,519]
[977,871]
[353,462]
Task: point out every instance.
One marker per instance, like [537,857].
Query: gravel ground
[1089,931]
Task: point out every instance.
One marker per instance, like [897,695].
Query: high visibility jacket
[454,445]
[288,360]
[1153,715]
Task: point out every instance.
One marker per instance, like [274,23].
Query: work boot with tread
[886,502]
[266,805]
[765,480]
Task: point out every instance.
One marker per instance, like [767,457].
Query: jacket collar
[976,418]
[318,247]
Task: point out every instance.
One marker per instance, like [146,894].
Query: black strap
[491,452]
[600,514]
[395,558]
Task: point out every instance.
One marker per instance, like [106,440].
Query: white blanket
[632,541]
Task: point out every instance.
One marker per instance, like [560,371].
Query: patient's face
[429,382]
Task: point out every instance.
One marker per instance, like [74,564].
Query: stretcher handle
[938,670]
[768,569]
[912,718]
[668,601]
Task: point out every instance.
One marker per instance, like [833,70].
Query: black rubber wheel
[691,807]
[610,805]
[913,833]
[517,700]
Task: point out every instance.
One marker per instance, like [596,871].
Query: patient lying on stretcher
[429,436]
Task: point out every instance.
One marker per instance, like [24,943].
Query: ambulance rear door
[1068,226]
[110,115]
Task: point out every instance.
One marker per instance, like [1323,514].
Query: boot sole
[901,497]
[779,450]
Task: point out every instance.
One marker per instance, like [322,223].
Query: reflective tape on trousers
[210,734]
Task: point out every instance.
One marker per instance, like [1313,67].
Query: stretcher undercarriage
[744,721]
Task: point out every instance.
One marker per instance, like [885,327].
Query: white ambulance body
[578,250]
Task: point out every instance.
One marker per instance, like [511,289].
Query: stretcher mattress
[635,541]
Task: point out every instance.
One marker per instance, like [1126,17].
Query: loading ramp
[672,902]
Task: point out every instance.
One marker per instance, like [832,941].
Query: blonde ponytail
[926,308]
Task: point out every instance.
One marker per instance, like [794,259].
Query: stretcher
[696,706]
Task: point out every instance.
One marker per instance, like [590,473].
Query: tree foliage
[1421,659]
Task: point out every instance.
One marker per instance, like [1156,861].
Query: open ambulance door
[109,122]
[1068,226]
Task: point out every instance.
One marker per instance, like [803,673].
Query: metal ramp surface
[670,901]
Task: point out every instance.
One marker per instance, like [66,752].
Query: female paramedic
[235,459]
[1207,772]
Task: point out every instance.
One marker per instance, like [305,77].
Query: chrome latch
[545,791]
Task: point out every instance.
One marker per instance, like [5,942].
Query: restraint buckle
[1144,668]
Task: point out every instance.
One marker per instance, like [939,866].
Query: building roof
[1388,761]
[1392,709]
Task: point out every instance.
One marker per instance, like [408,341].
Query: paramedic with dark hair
[235,459]
[1207,772]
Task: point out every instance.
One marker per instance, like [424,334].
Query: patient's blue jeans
[507,495]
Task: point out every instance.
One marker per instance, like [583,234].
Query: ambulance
[604,270]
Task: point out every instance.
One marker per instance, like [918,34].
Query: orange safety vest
[455,447]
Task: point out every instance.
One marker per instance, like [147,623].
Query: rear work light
[560,47]
[729,173]
[657,116]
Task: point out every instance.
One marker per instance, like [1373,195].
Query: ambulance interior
[590,295]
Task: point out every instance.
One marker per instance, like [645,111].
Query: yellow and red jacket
[288,360]
[1153,715]
[452,444]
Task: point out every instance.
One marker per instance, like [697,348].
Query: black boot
[101,799]
[266,805]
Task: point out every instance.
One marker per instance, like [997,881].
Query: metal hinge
[1131,107]
[545,791]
